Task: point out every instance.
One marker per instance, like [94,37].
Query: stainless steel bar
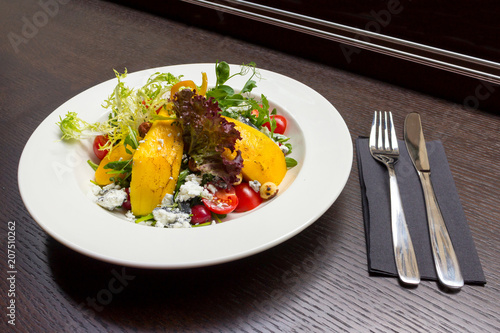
[480,69]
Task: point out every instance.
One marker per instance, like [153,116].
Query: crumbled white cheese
[255,185]
[236,109]
[266,131]
[211,188]
[171,218]
[111,198]
[95,190]
[161,142]
[284,149]
[130,216]
[168,200]
[192,189]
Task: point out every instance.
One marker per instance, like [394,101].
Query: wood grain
[314,282]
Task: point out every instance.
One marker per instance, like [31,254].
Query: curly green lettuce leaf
[128,109]
[131,107]
[72,127]
[207,135]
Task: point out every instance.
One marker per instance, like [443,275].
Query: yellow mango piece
[156,166]
[118,152]
[263,160]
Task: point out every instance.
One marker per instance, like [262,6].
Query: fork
[384,148]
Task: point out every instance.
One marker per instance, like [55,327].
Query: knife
[445,259]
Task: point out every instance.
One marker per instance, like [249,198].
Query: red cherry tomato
[281,124]
[201,214]
[248,198]
[224,201]
[100,141]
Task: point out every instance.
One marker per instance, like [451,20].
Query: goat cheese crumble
[171,218]
[255,185]
[192,188]
[110,196]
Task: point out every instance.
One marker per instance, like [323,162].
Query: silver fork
[384,148]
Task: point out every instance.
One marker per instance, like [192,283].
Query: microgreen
[145,218]
[122,171]
[290,162]
[224,94]
[131,140]
[92,165]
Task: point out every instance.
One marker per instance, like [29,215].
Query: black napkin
[374,181]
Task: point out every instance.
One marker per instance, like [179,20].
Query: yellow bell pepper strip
[186,83]
[204,84]
[190,84]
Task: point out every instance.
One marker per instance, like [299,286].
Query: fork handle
[445,259]
[404,254]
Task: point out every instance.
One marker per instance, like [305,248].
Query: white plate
[54,182]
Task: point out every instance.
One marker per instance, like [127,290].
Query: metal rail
[480,69]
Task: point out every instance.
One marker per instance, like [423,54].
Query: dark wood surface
[314,282]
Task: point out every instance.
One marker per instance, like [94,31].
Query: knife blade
[445,259]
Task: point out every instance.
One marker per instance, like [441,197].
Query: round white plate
[54,181]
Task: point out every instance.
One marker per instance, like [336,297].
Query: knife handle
[404,254]
[445,259]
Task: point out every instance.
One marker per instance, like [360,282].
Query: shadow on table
[229,293]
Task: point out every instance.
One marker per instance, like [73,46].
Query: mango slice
[263,160]
[156,166]
[118,152]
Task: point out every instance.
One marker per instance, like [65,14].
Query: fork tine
[387,142]
[394,139]
[380,131]
[373,131]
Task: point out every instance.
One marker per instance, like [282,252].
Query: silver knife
[445,259]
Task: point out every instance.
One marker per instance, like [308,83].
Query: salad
[176,154]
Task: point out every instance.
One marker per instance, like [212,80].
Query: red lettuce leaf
[206,134]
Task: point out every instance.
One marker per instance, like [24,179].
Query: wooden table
[314,282]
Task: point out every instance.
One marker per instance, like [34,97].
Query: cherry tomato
[100,141]
[201,214]
[248,198]
[224,201]
[280,124]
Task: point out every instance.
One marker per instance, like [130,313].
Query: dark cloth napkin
[374,181]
